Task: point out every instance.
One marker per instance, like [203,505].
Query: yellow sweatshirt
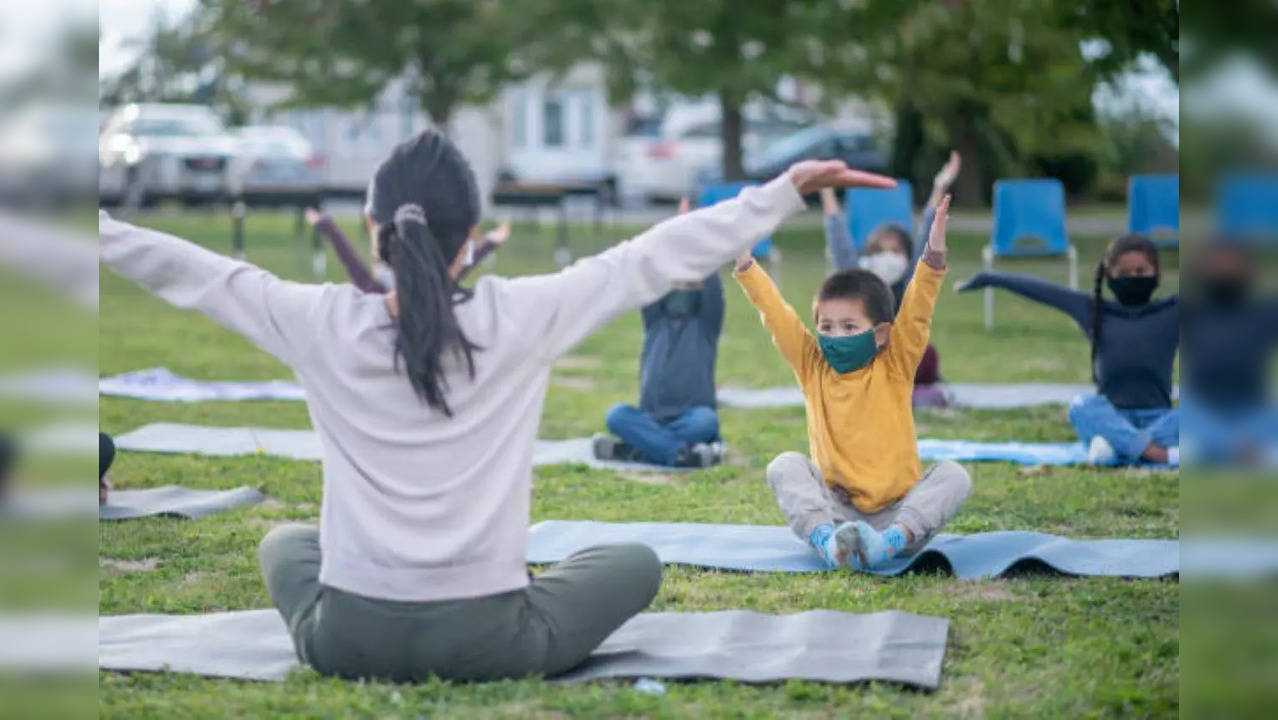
[860,424]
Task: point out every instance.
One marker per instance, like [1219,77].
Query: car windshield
[788,147]
[173,127]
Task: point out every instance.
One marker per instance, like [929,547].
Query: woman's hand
[964,285]
[809,176]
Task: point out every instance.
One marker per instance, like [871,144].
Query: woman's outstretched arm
[274,314]
[560,310]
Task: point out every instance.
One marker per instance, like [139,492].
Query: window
[552,123]
[587,120]
[519,120]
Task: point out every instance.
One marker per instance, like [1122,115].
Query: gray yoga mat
[305,445]
[820,645]
[774,548]
[176,501]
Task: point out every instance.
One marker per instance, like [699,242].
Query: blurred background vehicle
[154,151]
[276,165]
[856,146]
[662,158]
[46,155]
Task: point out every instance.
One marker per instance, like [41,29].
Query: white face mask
[889,266]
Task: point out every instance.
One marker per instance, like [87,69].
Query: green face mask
[850,352]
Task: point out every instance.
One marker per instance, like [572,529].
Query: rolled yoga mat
[775,548]
[163,385]
[305,445]
[820,645]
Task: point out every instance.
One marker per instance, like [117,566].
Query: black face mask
[680,303]
[1133,290]
[1224,292]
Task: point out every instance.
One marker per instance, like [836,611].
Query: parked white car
[665,164]
[153,151]
[276,165]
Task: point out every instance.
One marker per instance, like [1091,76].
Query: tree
[345,52]
[1003,81]
[733,50]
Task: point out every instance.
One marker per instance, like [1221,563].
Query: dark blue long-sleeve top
[1228,351]
[839,242]
[1137,344]
[676,370]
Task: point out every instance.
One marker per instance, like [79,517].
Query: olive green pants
[544,629]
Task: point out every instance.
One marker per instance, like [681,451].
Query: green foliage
[1031,646]
[346,52]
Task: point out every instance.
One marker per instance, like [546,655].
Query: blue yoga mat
[1014,452]
[770,548]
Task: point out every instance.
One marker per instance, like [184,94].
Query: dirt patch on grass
[193,578]
[143,565]
[648,478]
[573,382]
[579,362]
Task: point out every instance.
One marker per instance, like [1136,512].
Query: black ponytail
[1118,247]
[425,202]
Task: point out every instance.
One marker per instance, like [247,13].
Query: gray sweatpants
[544,629]
[806,501]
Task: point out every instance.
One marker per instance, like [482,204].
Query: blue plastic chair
[1153,208]
[869,209]
[1029,221]
[712,193]
[1247,206]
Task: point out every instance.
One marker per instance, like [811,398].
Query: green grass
[1026,646]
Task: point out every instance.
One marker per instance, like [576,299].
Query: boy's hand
[810,176]
[936,240]
[499,234]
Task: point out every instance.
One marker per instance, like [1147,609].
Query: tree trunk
[730,135]
[969,186]
[907,142]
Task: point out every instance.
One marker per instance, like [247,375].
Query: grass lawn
[1028,646]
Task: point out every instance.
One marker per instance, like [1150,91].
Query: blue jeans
[1215,435]
[1128,431]
[659,442]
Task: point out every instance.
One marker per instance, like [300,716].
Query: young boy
[675,423]
[890,253]
[860,500]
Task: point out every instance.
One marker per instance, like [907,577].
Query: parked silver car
[154,151]
[276,165]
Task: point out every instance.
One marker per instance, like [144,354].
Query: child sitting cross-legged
[862,498]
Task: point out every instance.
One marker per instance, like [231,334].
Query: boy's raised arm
[789,334]
[913,324]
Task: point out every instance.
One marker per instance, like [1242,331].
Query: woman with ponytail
[427,401]
[1133,348]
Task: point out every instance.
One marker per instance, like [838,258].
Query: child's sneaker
[700,455]
[607,447]
[1100,452]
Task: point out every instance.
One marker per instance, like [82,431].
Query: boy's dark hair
[858,284]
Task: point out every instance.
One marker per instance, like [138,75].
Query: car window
[702,130]
[172,127]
